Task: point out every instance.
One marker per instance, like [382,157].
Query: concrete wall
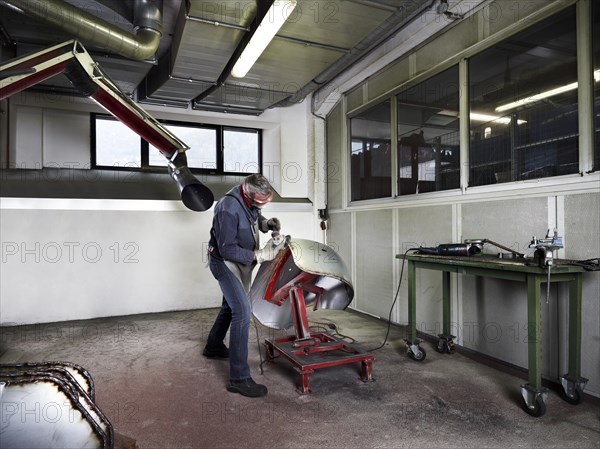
[489,316]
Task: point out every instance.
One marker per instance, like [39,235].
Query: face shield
[256,198]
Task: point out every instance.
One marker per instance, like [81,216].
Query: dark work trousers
[234,280]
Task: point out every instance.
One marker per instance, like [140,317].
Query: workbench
[520,270]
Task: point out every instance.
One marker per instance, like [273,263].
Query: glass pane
[240,151]
[596,61]
[371,157]
[202,143]
[428,135]
[524,121]
[116,144]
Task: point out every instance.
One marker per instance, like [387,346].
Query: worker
[233,253]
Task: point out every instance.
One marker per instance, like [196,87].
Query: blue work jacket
[234,235]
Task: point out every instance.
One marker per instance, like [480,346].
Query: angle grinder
[469,248]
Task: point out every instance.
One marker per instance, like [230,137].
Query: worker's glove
[269,251]
[274,224]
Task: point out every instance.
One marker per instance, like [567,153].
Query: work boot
[247,387]
[220,351]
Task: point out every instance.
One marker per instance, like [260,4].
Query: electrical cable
[253,319]
[331,326]
[257,341]
[394,302]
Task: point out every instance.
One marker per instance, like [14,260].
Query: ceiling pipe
[92,30]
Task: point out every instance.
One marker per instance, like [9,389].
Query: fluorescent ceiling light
[482,117]
[277,14]
[541,96]
[493,118]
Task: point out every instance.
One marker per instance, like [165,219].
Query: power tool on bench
[469,248]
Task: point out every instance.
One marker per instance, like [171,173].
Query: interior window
[370,153]
[428,135]
[524,117]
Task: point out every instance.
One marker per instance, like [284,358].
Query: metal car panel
[301,256]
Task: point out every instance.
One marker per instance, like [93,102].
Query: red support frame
[304,350]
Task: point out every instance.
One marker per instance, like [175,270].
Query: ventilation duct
[147,20]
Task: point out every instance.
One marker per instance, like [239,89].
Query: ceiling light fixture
[277,14]
[543,95]
[475,116]
[493,118]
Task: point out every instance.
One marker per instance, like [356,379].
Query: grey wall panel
[502,14]
[424,226]
[339,235]
[582,221]
[495,312]
[582,241]
[511,223]
[354,98]
[374,267]
[61,146]
[389,78]
[335,185]
[495,321]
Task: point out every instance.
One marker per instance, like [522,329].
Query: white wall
[78,259]
[66,259]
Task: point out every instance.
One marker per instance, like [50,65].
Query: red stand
[305,350]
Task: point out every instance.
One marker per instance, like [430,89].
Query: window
[240,153]
[213,149]
[202,143]
[116,145]
[371,156]
[524,117]
[428,135]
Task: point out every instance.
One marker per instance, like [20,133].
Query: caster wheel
[445,347]
[575,398]
[450,347]
[538,409]
[419,355]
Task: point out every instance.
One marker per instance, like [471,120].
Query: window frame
[145,148]
[566,181]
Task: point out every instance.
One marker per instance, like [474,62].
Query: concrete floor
[155,386]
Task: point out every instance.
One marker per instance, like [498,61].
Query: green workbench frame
[512,270]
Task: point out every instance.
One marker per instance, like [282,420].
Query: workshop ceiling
[202,39]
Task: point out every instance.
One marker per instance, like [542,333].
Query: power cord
[327,326]
[394,302]
[253,319]
[257,341]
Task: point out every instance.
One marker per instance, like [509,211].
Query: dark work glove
[274,224]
